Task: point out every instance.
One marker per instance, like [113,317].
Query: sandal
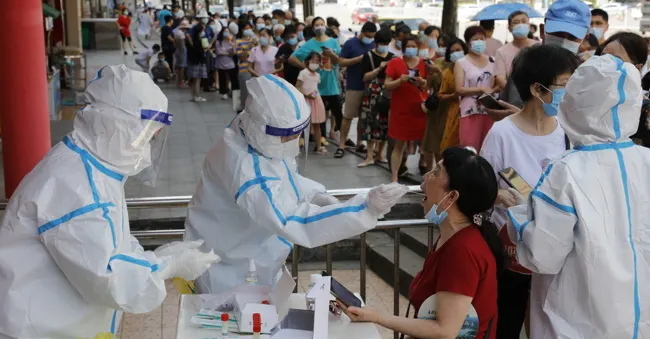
[322,151]
[366,163]
[339,153]
[382,161]
[361,148]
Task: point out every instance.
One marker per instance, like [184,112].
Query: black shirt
[366,65]
[165,33]
[290,71]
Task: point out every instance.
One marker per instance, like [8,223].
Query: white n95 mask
[569,45]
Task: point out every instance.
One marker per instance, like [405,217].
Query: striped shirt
[243,47]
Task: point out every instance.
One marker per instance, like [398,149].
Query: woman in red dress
[406,78]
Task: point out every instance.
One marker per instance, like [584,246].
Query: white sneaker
[199,99]
[224,97]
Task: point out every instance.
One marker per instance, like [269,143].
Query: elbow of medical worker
[137,297]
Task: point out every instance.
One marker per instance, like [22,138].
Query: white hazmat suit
[68,262]
[585,232]
[251,202]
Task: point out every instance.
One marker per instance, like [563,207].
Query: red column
[23,98]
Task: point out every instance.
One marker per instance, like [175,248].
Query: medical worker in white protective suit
[252,204]
[585,231]
[68,262]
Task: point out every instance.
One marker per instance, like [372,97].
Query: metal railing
[414,195]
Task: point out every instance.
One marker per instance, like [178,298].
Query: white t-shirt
[507,146]
[393,49]
[142,56]
[309,80]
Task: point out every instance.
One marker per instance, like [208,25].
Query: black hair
[488,25]
[645,82]
[514,14]
[278,12]
[541,64]
[430,29]
[155,48]
[300,24]
[453,41]
[266,17]
[473,178]
[402,28]
[331,21]
[369,27]
[288,30]
[406,40]
[268,32]
[168,18]
[446,39]
[591,40]
[635,46]
[220,34]
[318,18]
[383,36]
[601,13]
[320,57]
[161,54]
[242,28]
[471,31]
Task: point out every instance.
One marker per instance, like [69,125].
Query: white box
[248,300]
[308,324]
[645,25]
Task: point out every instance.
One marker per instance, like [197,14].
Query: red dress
[463,265]
[406,121]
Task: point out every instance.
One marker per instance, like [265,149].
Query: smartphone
[344,295]
[489,101]
[514,180]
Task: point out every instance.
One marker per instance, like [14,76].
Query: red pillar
[23,98]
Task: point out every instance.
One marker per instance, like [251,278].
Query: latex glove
[383,197]
[189,264]
[176,248]
[519,199]
[324,199]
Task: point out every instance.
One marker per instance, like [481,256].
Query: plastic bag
[183,286]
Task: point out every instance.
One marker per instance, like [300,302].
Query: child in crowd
[307,84]
[161,70]
[143,60]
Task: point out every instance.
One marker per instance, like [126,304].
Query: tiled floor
[161,323]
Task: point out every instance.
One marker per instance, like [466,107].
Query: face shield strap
[286,132]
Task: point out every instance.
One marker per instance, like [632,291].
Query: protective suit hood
[274,108]
[598,90]
[126,110]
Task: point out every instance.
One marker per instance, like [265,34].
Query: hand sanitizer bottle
[251,276]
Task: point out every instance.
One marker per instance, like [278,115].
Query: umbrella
[501,11]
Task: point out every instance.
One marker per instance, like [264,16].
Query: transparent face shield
[152,140]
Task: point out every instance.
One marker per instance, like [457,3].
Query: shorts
[353,100]
[125,36]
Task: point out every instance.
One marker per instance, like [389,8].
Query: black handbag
[432,102]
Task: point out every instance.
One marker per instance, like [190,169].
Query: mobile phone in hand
[489,101]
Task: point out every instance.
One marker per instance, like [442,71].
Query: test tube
[224,325]
[257,325]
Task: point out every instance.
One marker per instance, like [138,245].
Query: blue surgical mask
[292,41]
[381,49]
[204,20]
[248,32]
[423,53]
[551,109]
[287,22]
[202,35]
[598,32]
[264,41]
[260,26]
[411,51]
[301,36]
[433,215]
[432,43]
[456,56]
[274,21]
[398,44]
[366,40]
[226,34]
[278,38]
[478,46]
[250,21]
[521,30]
[442,50]
[269,27]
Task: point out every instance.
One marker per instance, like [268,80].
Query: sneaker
[126,53]
[135,52]
[224,97]
[322,151]
[199,99]
[323,141]
[183,85]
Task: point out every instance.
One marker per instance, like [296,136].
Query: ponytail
[490,234]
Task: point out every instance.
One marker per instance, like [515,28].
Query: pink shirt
[491,46]
[504,57]
[264,61]
[309,80]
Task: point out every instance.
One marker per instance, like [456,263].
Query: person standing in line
[406,77]
[197,69]
[289,71]
[145,21]
[474,76]
[354,49]
[599,24]
[307,84]
[519,26]
[262,58]
[163,14]
[447,94]
[492,44]
[167,40]
[225,64]
[373,121]
[124,24]
[243,45]
[180,52]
